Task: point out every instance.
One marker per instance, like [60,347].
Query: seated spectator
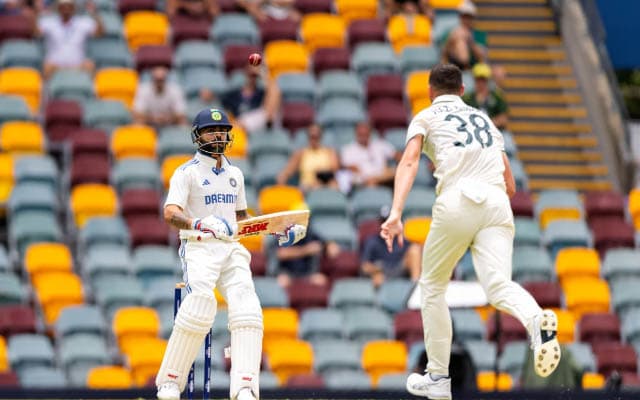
[380,264]
[253,106]
[367,160]
[393,7]
[159,103]
[465,46]
[262,10]
[302,260]
[65,36]
[315,164]
[491,101]
[408,26]
[195,9]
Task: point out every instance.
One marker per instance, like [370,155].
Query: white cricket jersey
[201,189]
[461,141]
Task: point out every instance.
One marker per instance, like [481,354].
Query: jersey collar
[447,98]
[211,163]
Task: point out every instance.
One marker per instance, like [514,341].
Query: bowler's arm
[508,176]
[175,216]
[406,172]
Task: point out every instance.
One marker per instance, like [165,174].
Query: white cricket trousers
[487,227]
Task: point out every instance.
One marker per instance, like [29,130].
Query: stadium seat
[288,357]
[133,141]
[22,137]
[596,328]
[4,357]
[13,108]
[145,28]
[42,377]
[30,350]
[33,226]
[80,319]
[531,264]
[615,356]
[42,258]
[170,164]
[366,30]
[522,204]
[90,168]
[561,234]
[634,206]
[23,82]
[352,292]
[387,114]
[513,356]
[286,56]
[297,87]
[587,295]
[417,86]
[611,233]
[112,25]
[593,381]
[135,173]
[88,141]
[297,115]
[109,377]
[278,29]
[335,356]
[38,169]
[351,10]
[331,58]
[107,259]
[320,324]
[6,176]
[486,381]
[583,355]
[600,204]
[367,202]
[62,117]
[114,292]
[4,260]
[625,296]
[483,353]
[185,28]
[270,293]
[322,30]
[33,197]
[11,289]
[326,201]
[266,170]
[279,198]
[403,31]
[103,230]
[577,262]
[173,140]
[384,86]
[416,229]
[510,329]
[137,202]
[131,323]
[393,294]
[71,85]
[408,327]
[153,262]
[235,56]
[148,230]
[305,381]
[144,359]
[373,58]
[234,28]
[116,84]
[367,323]
[105,114]
[21,53]
[527,232]
[197,53]
[56,291]
[383,357]
[279,323]
[339,84]
[15,319]
[348,380]
[92,200]
[150,56]
[108,52]
[418,58]
[305,294]
[467,324]
[79,353]
[269,142]
[620,264]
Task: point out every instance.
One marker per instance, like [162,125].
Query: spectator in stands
[159,102]
[302,260]
[408,7]
[380,264]
[465,46]
[195,9]
[367,160]
[489,100]
[262,10]
[253,106]
[316,164]
[65,35]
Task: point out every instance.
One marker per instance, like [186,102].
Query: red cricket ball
[255,59]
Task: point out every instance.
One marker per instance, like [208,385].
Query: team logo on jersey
[215,115]
[233,182]
[205,182]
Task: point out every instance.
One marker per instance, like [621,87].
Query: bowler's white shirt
[200,189]
[65,43]
[461,141]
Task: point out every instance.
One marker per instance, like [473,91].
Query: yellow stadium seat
[445,4]
[416,229]
[417,86]
[285,56]
[56,291]
[144,358]
[93,200]
[486,381]
[289,357]
[240,143]
[131,323]
[22,137]
[634,207]
[145,28]
[586,295]
[253,243]
[47,257]
[4,355]
[406,31]
[322,30]
[222,302]
[170,164]
[133,141]
[116,84]
[419,104]
[6,177]
[279,198]
[551,214]
[566,326]
[574,262]
[381,357]
[279,323]
[24,82]
[109,377]
[593,381]
[351,10]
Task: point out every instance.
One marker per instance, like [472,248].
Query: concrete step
[563,128]
[526,55]
[547,112]
[538,69]
[574,184]
[543,98]
[496,25]
[537,141]
[559,156]
[527,12]
[523,41]
[539,83]
[566,170]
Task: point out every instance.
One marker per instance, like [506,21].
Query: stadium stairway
[547,115]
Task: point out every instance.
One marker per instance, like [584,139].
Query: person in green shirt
[465,46]
[489,100]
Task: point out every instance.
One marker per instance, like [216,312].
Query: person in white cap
[465,46]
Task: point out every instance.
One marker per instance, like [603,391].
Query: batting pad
[246,354]
[193,322]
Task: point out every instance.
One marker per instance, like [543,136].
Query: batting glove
[217,227]
[292,235]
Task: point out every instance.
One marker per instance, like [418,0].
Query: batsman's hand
[217,227]
[390,229]
[292,235]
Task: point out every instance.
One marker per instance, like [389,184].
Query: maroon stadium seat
[90,168]
[9,379]
[510,329]
[346,264]
[148,230]
[522,204]
[604,204]
[152,56]
[65,113]
[124,6]
[17,319]
[630,380]
[285,29]
[235,56]
[596,328]
[138,202]
[547,294]
[304,294]
[328,58]
[386,86]
[366,30]
[258,263]
[314,6]
[297,115]
[615,356]
[186,28]
[15,27]
[229,6]
[387,113]
[408,327]
[366,229]
[89,141]
[305,381]
[611,232]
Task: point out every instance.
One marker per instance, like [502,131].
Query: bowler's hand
[390,229]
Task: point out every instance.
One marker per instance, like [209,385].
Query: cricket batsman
[206,197]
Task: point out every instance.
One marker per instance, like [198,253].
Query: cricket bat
[273,223]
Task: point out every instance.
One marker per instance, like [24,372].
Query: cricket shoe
[546,349]
[169,391]
[425,386]
[245,394]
